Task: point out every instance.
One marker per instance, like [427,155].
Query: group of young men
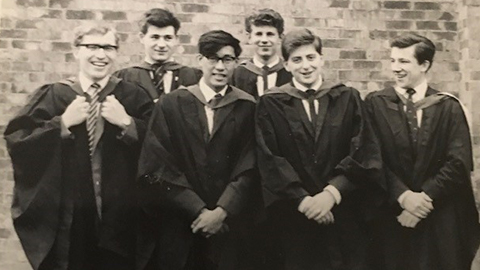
[261,165]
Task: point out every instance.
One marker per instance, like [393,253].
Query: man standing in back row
[159,73]
[429,221]
[265,70]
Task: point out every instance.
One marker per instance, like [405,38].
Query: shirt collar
[85,82]
[302,88]
[208,92]
[168,60]
[259,64]
[420,91]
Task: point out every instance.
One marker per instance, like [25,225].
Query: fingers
[304,204]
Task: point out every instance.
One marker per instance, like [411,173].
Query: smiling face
[407,72]
[266,39]
[96,64]
[159,43]
[305,64]
[218,73]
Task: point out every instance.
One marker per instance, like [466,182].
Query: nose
[305,64]
[161,42]
[264,39]
[395,66]
[220,65]
[100,53]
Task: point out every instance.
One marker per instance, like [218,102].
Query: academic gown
[296,160]
[183,169]
[449,237]
[53,209]
[245,77]
[141,74]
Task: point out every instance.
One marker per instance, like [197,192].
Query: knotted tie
[93,92]
[159,72]
[311,103]
[412,115]
[265,70]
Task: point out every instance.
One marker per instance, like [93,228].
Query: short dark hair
[297,38]
[160,18]
[213,41]
[265,17]
[424,47]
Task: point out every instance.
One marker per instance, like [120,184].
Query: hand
[406,219]
[318,206]
[326,219]
[209,222]
[418,204]
[115,113]
[76,113]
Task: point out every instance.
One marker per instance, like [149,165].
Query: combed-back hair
[213,41]
[265,17]
[160,18]
[424,47]
[297,38]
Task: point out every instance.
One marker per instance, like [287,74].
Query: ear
[141,36]
[249,35]
[425,65]
[75,52]
[199,58]
[285,65]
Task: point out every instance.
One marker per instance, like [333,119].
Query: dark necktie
[93,92]
[265,70]
[412,116]
[159,72]
[311,103]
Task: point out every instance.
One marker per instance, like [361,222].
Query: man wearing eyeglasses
[159,73]
[197,162]
[74,149]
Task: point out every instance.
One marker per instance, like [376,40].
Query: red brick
[70,58]
[185,18]
[114,15]
[339,64]
[412,15]
[426,6]
[399,24]
[185,39]
[350,33]
[427,25]
[80,15]
[32,3]
[447,16]
[61,46]
[4,44]
[340,4]
[60,3]
[450,26]
[353,55]
[396,5]
[445,35]
[13,34]
[26,24]
[190,49]
[336,43]
[26,45]
[367,65]
[475,75]
[379,75]
[194,8]
[378,34]
[353,75]
[6,23]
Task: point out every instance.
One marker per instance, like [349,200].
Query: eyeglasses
[226,60]
[96,47]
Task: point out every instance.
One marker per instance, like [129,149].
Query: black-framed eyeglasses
[226,60]
[96,47]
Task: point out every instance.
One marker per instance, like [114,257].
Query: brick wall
[35,48]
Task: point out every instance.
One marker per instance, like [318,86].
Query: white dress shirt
[272,77]
[209,94]
[420,92]
[333,190]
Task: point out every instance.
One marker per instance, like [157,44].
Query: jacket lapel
[221,114]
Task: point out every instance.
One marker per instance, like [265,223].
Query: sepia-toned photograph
[239,135]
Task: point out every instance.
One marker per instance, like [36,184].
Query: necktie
[210,111]
[412,116]
[265,70]
[93,92]
[159,72]
[311,103]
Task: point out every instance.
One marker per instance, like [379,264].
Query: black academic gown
[449,237]
[295,161]
[141,74]
[54,209]
[245,77]
[183,169]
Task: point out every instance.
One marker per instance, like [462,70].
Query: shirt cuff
[335,193]
[402,197]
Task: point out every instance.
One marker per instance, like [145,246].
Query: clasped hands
[417,206]
[210,222]
[111,109]
[318,207]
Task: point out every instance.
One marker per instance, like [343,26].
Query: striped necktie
[93,92]
[411,114]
